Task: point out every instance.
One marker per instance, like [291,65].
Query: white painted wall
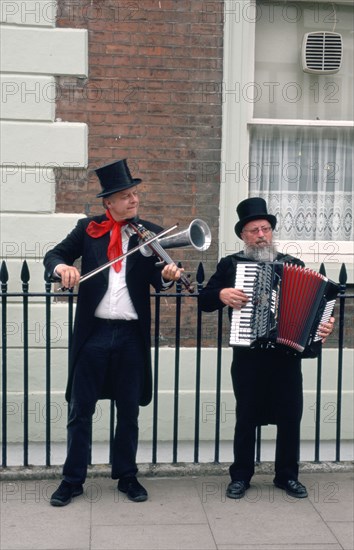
[32,143]
[28,12]
[37,410]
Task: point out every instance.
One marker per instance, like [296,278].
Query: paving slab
[182,513]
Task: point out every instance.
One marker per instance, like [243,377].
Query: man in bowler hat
[110,355]
[267,382]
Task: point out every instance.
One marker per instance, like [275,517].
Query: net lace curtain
[305,175]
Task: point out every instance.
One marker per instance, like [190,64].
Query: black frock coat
[267,383]
[141,272]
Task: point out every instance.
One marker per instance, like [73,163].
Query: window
[305,175]
[301,135]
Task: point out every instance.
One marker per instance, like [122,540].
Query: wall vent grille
[322,52]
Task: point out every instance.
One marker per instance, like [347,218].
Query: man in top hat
[267,383]
[110,355]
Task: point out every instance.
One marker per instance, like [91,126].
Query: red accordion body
[287,305]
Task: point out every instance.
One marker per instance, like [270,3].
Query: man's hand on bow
[69,275]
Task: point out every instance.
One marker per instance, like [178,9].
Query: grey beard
[266,253]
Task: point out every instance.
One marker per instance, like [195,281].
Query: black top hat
[115,177]
[251,209]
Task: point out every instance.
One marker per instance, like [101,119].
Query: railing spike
[343,276]
[25,274]
[200,273]
[4,274]
[322,269]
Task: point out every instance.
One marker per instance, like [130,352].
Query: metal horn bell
[197,235]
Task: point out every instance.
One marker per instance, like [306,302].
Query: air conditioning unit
[322,52]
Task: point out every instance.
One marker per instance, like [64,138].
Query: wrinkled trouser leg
[114,353]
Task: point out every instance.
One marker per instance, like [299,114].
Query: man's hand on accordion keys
[233,297]
[325,329]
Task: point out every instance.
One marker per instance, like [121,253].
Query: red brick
[153,96]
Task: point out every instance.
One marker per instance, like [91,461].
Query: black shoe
[133,489]
[293,488]
[237,489]
[65,492]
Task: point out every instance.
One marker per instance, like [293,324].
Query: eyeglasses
[265,229]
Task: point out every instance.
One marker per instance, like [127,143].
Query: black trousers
[268,390]
[114,351]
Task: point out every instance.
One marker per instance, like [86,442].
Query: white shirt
[116,303]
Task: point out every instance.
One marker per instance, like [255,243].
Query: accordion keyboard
[241,330]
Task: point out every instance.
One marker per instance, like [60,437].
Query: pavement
[187,510]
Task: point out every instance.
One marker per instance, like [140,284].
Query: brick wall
[150,97]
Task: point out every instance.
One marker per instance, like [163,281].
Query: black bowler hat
[251,209]
[115,177]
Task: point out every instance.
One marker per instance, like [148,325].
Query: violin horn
[197,235]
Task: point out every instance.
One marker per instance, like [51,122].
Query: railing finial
[4,274]
[200,274]
[343,276]
[25,274]
[322,269]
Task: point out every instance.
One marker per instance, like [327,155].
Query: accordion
[286,306]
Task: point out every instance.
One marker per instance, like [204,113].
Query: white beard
[265,253]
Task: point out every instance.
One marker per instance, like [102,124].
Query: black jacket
[261,394]
[141,272]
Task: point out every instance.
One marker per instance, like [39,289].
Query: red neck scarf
[115,247]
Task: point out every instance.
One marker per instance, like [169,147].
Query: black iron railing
[196,340]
